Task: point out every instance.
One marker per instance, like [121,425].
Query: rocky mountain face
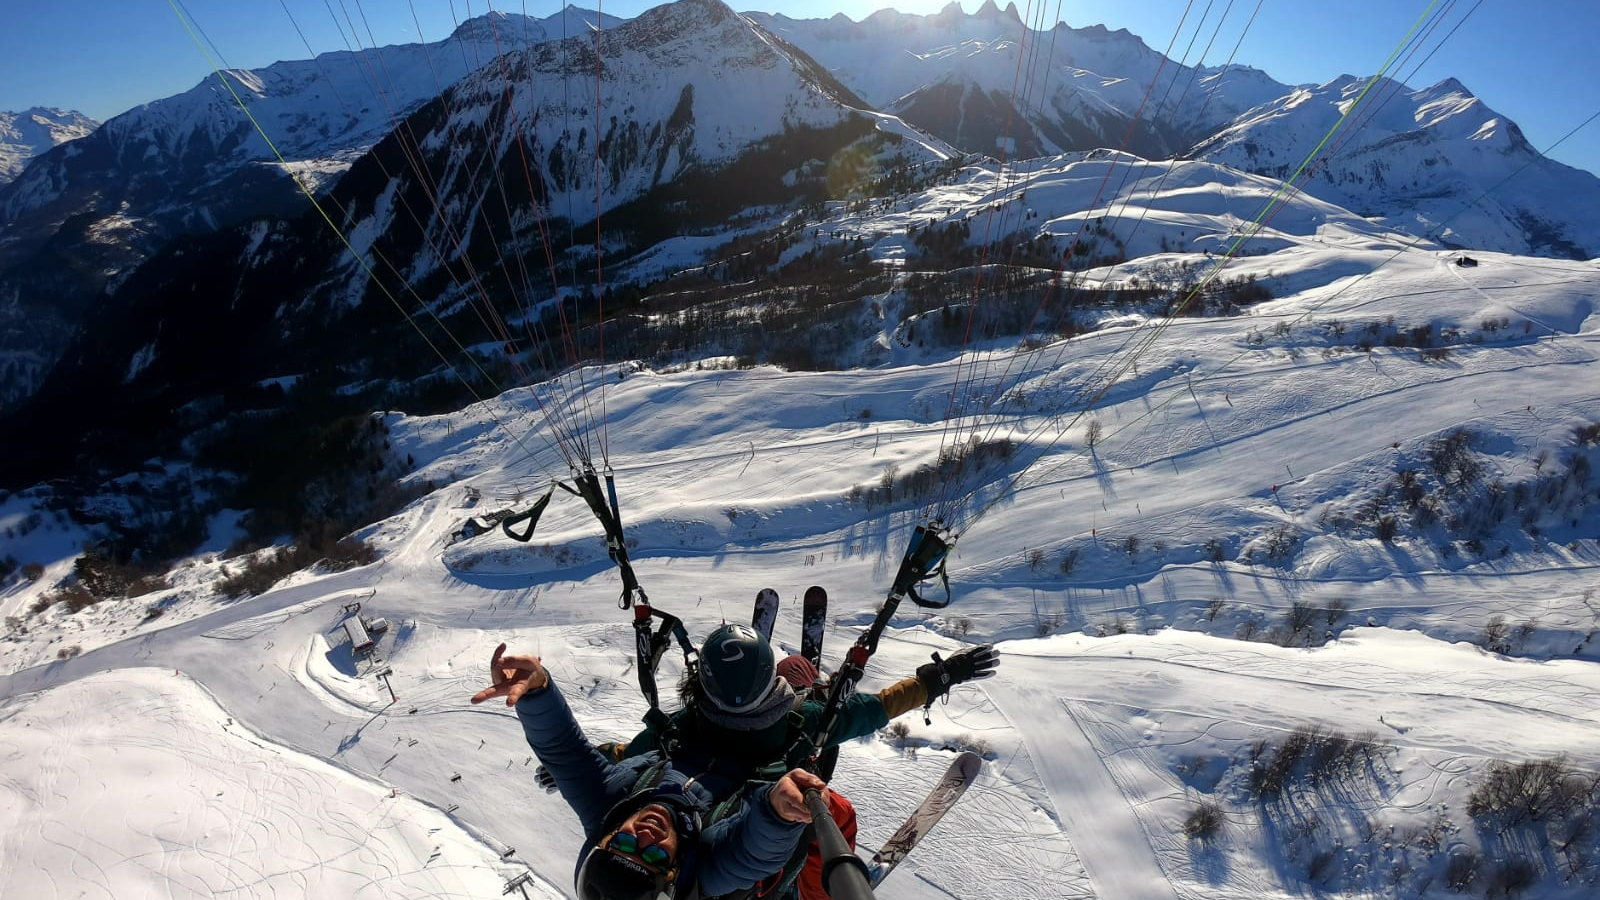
[83,214]
[479,207]
[26,134]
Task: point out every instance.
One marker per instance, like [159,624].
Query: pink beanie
[798,671]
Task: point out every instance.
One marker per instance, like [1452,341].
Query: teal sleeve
[862,714]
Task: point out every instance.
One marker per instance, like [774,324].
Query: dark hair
[689,687]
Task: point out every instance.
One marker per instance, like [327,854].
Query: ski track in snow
[1118,857]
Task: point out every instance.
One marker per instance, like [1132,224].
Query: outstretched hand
[971,664]
[512,676]
[788,795]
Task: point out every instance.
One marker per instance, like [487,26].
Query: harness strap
[604,506]
[531,516]
[925,557]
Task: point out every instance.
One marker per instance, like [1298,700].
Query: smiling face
[652,825]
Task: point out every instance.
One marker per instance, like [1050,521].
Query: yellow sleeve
[903,696]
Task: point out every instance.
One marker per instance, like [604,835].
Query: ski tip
[968,762]
[816,593]
[767,595]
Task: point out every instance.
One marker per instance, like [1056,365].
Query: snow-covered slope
[26,134]
[1423,161]
[1210,579]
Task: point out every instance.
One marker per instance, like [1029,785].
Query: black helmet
[737,671]
[608,876]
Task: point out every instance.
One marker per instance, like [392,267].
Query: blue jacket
[732,853]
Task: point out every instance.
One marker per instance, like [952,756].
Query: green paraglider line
[222,76]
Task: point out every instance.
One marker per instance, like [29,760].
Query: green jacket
[862,714]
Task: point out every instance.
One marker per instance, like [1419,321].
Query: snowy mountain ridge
[80,217]
[26,134]
[320,113]
[1083,92]
[85,215]
[1418,157]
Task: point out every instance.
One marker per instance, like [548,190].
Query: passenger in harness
[652,831]
[743,712]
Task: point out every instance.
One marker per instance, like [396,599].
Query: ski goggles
[652,855]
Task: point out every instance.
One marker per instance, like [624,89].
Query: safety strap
[531,517]
[649,647]
[604,507]
[925,557]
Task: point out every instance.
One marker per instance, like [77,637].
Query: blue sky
[1533,62]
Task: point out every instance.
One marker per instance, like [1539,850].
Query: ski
[765,614]
[813,622]
[962,773]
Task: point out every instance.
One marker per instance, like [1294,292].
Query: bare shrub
[899,732]
[1335,610]
[1587,435]
[347,552]
[1049,624]
[1313,753]
[967,741]
[1092,433]
[1511,877]
[1069,560]
[32,571]
[1461,871]
[1298,620]
[1036,559]
[1453,460]
[1529,791]
[260,573]
[77,597]
[266,569]
[1268,777]
[1496,634]
[105,577]
[1204,822]
[1281,542]
[68,652]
